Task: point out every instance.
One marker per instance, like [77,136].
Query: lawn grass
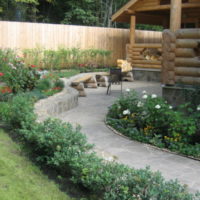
[20,179]
[67,73]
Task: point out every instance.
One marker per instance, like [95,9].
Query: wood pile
[181,57]
[145,55]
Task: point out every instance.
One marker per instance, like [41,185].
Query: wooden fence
[22,35]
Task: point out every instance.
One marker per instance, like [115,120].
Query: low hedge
[60,146]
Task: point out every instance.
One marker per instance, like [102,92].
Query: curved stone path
[90,115]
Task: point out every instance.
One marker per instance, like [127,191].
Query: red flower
[33,66]
[5,89]
[81,65]
[1,74]
[56,88]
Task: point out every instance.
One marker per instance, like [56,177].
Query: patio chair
[115,77]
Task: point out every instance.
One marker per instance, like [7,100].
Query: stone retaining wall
[58,103]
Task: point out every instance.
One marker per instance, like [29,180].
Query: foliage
[82,12]
[19,111]
[20,178]
[44,84]
[16,75]
[65,58]
[59,84]
[152,120]
[66,73]
[64,148]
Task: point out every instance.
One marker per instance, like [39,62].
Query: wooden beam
[130,12]
[152,8]
[132,29]
[166,7]
[124,8]
[175,15]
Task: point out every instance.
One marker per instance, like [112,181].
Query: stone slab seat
[84,82]
[102,79]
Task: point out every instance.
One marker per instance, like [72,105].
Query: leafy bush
[17,76]
[59,83]
[152,120]
[20,113]
[44,84]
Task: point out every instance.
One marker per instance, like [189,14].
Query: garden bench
[84,82]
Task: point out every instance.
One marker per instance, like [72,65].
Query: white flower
[153,96]
[198,108]
[128,90]
[139,104]
[144,92]
[126,112]
[119,107]
[145,96]
[158,106]
[170,107]
[144,113]
[42,73]
[12,66]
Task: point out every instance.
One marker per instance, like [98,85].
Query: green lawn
[20,179]
[67,73]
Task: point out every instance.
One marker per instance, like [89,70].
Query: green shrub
[144,185]
[59,83]
[19,77]
[57,142]
[20,111]
[4,111]
[36,95]
[44,84]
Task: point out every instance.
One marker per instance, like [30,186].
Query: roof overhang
[124,10]
[131,8]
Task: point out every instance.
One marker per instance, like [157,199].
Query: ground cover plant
[20,178]
[151,119]
[60,146]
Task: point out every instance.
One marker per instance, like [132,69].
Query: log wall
[181,57]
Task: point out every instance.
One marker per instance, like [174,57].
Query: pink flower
[1,74]
[81,65]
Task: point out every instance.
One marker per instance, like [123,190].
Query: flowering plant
[19,77]
[151,119]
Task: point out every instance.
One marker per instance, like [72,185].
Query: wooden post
[132,29]
[175,15]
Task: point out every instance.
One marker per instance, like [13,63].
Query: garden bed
[151,120]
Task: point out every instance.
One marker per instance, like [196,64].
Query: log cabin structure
[172,15]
